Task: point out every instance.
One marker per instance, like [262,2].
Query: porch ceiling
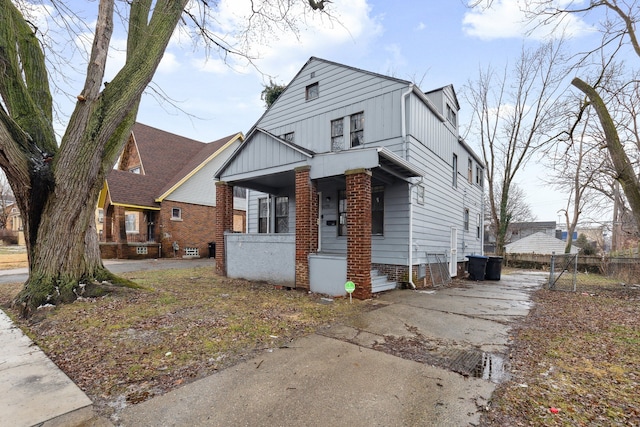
[273,183]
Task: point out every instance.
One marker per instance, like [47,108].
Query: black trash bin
[212,249]
[494,268]
[477,266]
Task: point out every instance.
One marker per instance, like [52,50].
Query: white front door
[453,259]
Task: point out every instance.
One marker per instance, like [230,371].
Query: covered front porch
[321,215]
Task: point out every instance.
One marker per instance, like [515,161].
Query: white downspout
[403,112]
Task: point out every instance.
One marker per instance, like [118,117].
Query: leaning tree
[56,183]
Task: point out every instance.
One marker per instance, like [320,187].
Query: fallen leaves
[133,344]
[579,358]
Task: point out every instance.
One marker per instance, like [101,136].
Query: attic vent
[313,75]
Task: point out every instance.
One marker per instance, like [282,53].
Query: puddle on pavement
[478,364]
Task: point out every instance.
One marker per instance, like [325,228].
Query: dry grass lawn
[132,344]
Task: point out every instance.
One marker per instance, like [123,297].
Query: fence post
[575,271]
[553,261]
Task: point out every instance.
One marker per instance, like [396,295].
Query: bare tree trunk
[626,176]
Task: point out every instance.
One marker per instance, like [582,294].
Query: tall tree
[512,113]
[56,185]
[618,28]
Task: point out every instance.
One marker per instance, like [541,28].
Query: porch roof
[266,163]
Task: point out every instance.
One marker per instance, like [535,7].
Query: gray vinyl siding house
[334,121]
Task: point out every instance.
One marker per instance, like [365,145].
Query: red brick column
[224,214]
[359,231]
[306,224]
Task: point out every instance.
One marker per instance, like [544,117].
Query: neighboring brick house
[161,201]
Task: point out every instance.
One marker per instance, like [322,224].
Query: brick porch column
[306,224]
[224,222]
[359,231]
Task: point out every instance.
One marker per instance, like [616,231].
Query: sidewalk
[33,390]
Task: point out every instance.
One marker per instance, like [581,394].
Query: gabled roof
[168,159]
[539,243]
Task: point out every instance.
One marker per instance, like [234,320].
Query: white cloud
[421,26]
[507,19]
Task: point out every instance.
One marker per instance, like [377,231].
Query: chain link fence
[578,273]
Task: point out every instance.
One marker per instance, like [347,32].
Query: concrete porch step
[380,283]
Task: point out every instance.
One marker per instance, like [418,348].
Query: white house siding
[433,144]
[342,92]
[252,212]
[266,152]
[200,188]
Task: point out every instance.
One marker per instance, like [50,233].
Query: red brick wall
[359,231]
[306,226]
[224,206]
[194,230]
[130,156]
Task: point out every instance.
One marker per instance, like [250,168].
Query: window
[451,115]
[194,252]
[337,135]
[176,214]
[131,223]
[240,192]
[357,129]
[312,91]
[377,211]
[455,171]
[288,137]
[470,171]
[420,194]
[135,169]
[466,219]
[479,177]
[263,215]
[282,214]
[478,225]
[100,215]
[342,213]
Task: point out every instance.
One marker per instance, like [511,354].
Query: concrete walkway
[345,375]
[420,358]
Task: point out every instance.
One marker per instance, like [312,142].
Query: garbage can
[477,266]
[212,249]
[494,268]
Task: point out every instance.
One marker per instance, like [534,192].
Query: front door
[453,259]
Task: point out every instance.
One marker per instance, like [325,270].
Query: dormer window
[451,115]
[312,91]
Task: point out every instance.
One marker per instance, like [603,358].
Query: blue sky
[433,43]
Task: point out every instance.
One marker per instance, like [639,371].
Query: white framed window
[337,135]
[100,215]
[470,171]
[454,166]
[289,137]
[420,194]
[131,222]
[478,225]
[312,91]
[479,177]
[282,214]
[357,129]
[263,215]
[176,214]
[451,115]
[466,219]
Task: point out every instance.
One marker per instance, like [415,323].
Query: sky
[433,43]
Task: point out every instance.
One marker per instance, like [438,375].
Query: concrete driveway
[419,358]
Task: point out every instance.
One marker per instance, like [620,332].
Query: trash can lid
[477,256]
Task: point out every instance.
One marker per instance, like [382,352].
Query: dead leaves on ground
[576,361]
[131,345]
